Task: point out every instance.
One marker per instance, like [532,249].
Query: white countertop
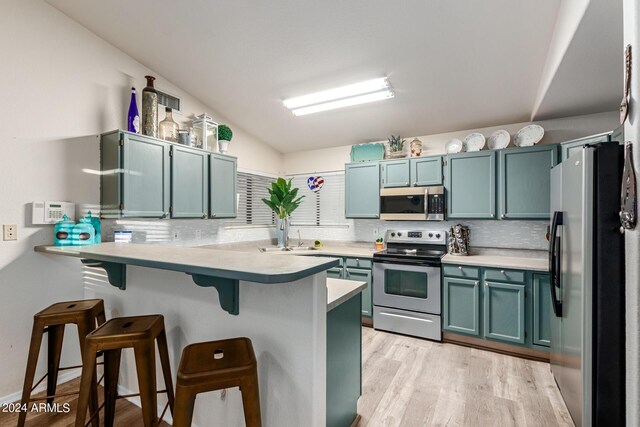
[499,261]
[330,248]
[339,291]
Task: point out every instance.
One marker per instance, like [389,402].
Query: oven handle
[398,261]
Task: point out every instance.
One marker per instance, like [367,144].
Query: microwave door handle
[554,262]
[426,202]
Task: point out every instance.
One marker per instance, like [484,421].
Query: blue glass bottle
[133,118]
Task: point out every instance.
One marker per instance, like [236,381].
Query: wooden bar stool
[140,333]
[86,315]
[217,365]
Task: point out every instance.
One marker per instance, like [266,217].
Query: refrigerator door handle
[554,262]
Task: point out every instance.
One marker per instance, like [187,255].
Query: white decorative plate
[498,140]
[474,142]
[528,136]
[454,146]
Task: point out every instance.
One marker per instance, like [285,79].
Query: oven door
[407,285]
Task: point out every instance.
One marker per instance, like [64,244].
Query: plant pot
[282,231]
[223,146]
[379,246]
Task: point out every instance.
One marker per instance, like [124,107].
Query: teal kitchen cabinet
[189,182]
[335,273]
[425,171]
[525,181]
[135,179]
[471,185]
[362,275]
[362,190]
[541,309]
[222,186]
[567,149]
[394,173]
[504,312]
[462,306]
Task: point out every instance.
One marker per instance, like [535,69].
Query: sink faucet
[299,239]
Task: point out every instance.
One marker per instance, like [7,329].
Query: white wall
[556,131]
[61,85]
[632,237]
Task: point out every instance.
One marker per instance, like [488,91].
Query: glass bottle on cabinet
[168,128]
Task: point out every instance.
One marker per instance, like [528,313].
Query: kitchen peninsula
[285,305]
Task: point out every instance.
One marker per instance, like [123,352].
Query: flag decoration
[315,183]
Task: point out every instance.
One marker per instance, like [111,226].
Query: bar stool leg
[84,328]
[111,373]
[163,350]
[185,401]
[55,337]
[251,401]
[86,383]
[32,361]
[146,370]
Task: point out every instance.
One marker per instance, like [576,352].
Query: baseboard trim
[62,378]
[511,350]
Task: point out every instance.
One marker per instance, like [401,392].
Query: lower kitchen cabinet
[462,306]
[504,312]
[542,309]
[363,276]
[362,190]
[335,273]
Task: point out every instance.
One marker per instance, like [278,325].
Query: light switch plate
[10,232]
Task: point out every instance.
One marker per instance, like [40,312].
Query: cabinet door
[471,185]
[189,179]
[541,310]
[335,273]
[426,171]
[525,182]
[222,186]
[362,190]
[145,178]
[394,173]
[462,306]
[504,312]
[569,148]
[362,276]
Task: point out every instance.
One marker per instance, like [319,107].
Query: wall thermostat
[52,212]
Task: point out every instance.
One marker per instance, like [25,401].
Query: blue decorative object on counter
[367,152]
[95,221]
[62,232]
[133,118]
[83,233]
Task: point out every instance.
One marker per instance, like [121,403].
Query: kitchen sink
[289,249]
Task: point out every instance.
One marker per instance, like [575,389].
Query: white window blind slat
[252,188]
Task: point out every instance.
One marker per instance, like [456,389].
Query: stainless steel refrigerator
[586,252]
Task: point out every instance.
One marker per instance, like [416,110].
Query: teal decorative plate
[367,152]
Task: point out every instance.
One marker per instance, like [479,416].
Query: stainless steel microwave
[412,204]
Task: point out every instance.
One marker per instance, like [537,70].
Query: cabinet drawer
[466,272]
[359,263]
[502,275]
[335,273]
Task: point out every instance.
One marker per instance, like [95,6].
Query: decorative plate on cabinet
[454,146]
[498,140]
[528,136]
[474,142]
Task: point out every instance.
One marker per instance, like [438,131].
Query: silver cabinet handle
[502,272]
[165,214]
[460,267]
[493,215]
[486,284]
[476,283]
[204,216]
[503,216]
[406,183]
[415,184]
[213,215]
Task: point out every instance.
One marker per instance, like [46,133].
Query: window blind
[324,207]
[252,188]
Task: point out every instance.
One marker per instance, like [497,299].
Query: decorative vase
[282,231]
[133,118]
[223,146]
[150,109]
[168,128]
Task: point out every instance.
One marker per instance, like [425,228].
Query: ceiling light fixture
[345,96]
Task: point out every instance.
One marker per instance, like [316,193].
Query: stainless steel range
[407,283]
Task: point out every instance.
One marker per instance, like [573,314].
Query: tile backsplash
[186,232]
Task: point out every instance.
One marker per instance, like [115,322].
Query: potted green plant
[396,146]
[224,137]
[379,243]
[283,200]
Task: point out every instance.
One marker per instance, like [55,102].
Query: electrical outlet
[375,232]
[176,235]
[198,234]
[10,232]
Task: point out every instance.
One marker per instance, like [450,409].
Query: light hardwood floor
[411,382]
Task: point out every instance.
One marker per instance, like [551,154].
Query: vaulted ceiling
[453,64]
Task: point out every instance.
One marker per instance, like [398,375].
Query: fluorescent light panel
[344,96]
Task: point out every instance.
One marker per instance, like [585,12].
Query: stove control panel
[433,237]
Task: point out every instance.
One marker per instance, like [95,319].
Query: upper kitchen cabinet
[189,183]
[362,190]
[525,181]
[222,186]
[426,171]
[394,173]
[135,176]
[471,185]
[567,149]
